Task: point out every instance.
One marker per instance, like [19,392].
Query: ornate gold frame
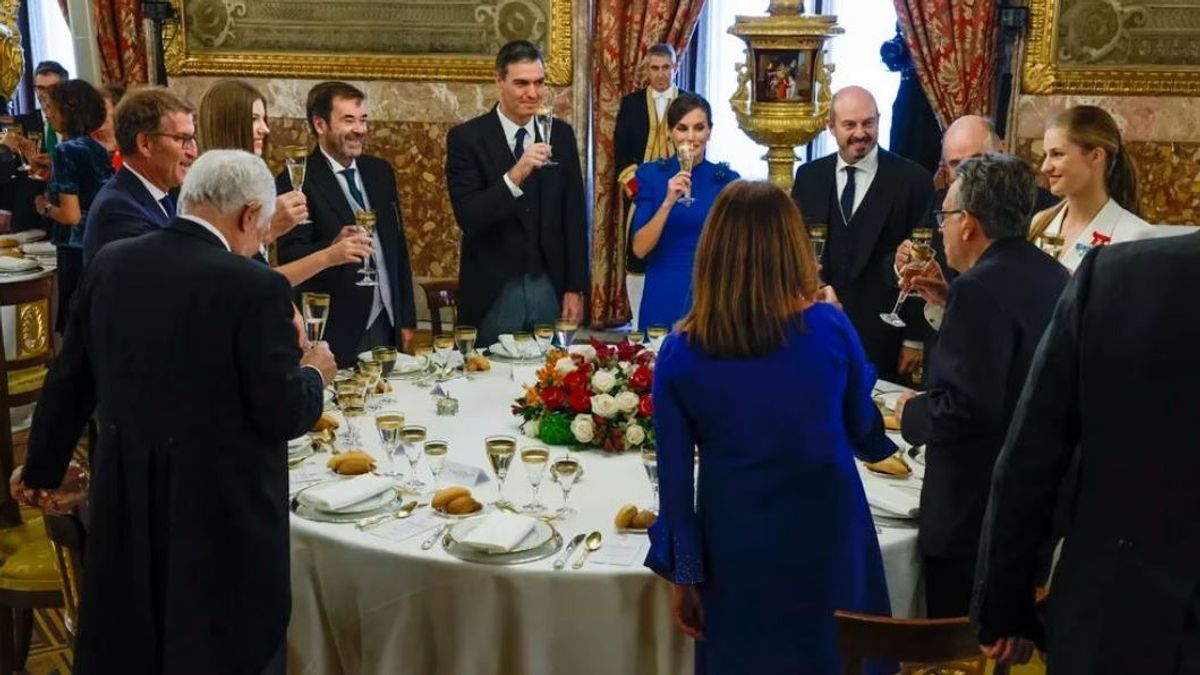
[1042,74]
[180,61]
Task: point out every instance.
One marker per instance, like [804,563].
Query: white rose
[531,428]
[634,435]
[605,405]
[603,381]
[583,428]
[627,367]
[588,352]
[565,365]
[627,401]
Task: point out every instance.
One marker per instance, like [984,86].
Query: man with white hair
[189,356]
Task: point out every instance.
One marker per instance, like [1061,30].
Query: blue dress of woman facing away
[665,229]
[774,393]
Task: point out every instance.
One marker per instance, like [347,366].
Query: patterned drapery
[954,49]
[624,30]
[122,43]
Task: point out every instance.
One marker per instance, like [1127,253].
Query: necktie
[168,205]
[353,188]
[519,148]
[848,195]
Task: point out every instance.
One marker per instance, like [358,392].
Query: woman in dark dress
[775,391]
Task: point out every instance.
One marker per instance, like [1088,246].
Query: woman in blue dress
[664,229]
[775,392]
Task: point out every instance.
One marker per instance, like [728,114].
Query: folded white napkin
[406,363]
[339,494]
[508,345]
[26,235]
[39,248]
[8,264]
[453,360]
[500,532]
[890,500]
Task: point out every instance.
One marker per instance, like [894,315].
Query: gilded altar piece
[365,39]
[1112,47]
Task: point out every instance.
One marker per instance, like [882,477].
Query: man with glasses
[996,312]
[156,133]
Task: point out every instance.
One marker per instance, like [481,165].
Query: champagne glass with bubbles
[315,309]
[500,452]
[687,160]
[922,255]
[296,161]
[366,220]
[544,118]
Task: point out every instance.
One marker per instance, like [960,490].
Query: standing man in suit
[25,188]
[1115,377]
[524,248]
[190,358]
[996,312]
[871,200]
[156,133]
[341,181]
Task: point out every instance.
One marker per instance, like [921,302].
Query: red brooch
[1100,239]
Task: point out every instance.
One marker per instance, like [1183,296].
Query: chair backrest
[924,646]
[439,294]
[67,537]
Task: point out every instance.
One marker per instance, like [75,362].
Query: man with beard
[340,182]
[871,200]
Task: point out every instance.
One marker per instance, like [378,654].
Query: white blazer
[1112,225]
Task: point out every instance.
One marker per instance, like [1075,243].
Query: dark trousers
[380,334]
[70,269]
[948,585]
[278,663]
[1189,648]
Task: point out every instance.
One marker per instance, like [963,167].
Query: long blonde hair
[754,264]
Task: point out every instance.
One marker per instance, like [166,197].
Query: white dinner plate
[541,534]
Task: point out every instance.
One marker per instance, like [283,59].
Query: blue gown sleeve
[864,425]
[649,196]
[675,541]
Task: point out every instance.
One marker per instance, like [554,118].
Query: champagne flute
[657,333]
[544,334]
[818,234]
[544,118]
[444,346]
[371,371]
[386,356]
[296,162]
[636,337]
[523,342]
[464,339]
[315,309]
[922,255]
[565,329]
[565,472]
[535,459]
[366,220]
[650,463]
[389,425]
[412,437]
[687,159]
[435,457]
[500,451]
[352,401]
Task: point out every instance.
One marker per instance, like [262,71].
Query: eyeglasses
[941,216]
[184,139]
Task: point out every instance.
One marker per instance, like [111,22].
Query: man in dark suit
[156,133]
[1116,377]
[341,181]
[996,312]
[641,135]
[22,192]
[524,248]
[871,200]
[190,357]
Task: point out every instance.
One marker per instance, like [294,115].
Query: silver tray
[474,555]
[309,513]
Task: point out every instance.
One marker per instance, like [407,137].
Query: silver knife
[428,543]
[561,562]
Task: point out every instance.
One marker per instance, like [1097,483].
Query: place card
[407,528]
[621,552]
[455,473]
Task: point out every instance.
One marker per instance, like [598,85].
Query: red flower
[553,398]
[641,378]
[580,400]
[645,358]
[575,380]
[646,406]
[626,350]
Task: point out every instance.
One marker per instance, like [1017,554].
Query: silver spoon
[590,544]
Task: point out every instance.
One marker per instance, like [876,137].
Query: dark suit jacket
[188,355]
[897,201]
[330,211]
[477,157]
[21,191]
[995,316]
[1115,375]
[123,208]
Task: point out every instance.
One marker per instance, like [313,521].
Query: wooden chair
[67,538]
[440,294]
[923,646]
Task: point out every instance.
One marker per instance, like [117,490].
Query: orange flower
[531,396]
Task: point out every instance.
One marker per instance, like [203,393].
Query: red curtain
[121,39]
[624,30]
[954,48]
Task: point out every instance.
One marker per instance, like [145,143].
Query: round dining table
[375,601]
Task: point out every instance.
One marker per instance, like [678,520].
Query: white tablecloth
[363,603]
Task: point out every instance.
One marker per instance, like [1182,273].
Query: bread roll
[892,466]
[447,495]
[643,520]
[325,421]
[9,243]
[625,516]
[462,506]
[352,463]
[478,362]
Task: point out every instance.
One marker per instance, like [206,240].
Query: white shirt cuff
[913,344]
[934,314]
[512,187]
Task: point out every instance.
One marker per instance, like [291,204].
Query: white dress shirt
[208,226]
[867,168]
[153,189]
[1112,225]
[662,99]
[510,135]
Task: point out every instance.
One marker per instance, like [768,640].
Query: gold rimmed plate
[541,533]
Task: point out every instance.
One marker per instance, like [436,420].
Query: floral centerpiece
[598,396]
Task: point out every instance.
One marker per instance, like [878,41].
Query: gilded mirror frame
[1044,73]
[180,60]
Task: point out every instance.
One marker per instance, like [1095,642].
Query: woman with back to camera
[775,391]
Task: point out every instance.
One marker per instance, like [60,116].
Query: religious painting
[364,39]
[1113,47]
[782,76]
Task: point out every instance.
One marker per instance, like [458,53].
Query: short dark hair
[51,68]
[517,51]
[1000,191]
[685,103]
[79,106]
[113,92]
[663,50]
[321,96]
[141,112]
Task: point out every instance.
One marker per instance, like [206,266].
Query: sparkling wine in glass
[565,329]
[500,452]
[464,339]
[544,334]
[535,460]
[818,234]
[636,337]
[687,160]
[412,438]
[544,118]
[366,220]
[296,162]
[386,356]
[657,333]
[650,463]
[389,425]
[922,255]
[565,472]
[315,309]
[435,458]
